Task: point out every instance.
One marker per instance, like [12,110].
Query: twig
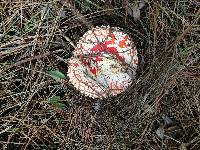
[30,59]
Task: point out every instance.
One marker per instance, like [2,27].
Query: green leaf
[60,105]
[56,75]
[13,129]
[54,100]
[16,130]
[188,49]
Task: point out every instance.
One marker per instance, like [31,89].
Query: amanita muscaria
[102,62]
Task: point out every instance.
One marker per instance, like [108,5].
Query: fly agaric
[104,62]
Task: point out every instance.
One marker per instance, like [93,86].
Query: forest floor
[161,109]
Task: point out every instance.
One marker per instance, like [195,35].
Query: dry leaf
[97,106]
[167,119]
[160,132]
[134,10]
[141,5]
[183,146]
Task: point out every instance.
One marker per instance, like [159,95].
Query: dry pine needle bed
[41,109]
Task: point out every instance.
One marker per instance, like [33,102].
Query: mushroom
[104,62]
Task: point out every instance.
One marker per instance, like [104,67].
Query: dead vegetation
[159,111]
